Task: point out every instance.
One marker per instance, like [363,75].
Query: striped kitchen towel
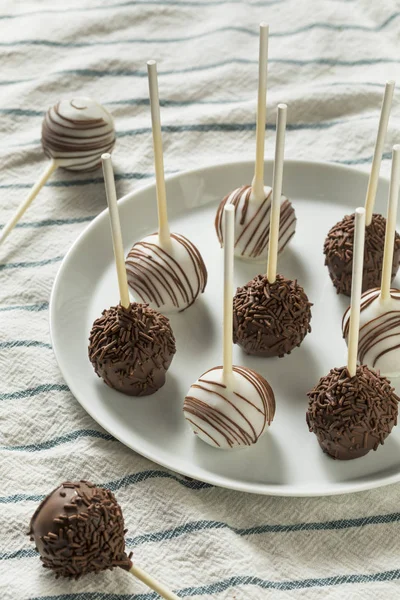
[329,61]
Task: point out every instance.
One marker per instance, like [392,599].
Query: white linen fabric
[329,61]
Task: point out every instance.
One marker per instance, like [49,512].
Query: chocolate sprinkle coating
[352,415]
[78,529]
[270,319]
[338,250]
[132,349]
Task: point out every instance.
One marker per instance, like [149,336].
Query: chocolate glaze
[78,529]
[132,349]
[338,250]
[352,415]
[270,319]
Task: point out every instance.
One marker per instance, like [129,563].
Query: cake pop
[352,409]
[75,133]
[379,344]
[229,407]
[338,246]
[165,269]
[79,529]
[131,346]
[271,314]
[253,202]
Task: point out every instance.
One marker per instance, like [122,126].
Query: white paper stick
[229,237]
[163,226]
[379,144]
[258,180]
[152,583]
[356,287]
[276,193]
[115,229]
[51,167]
[391,224]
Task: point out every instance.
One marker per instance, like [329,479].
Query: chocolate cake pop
[271,314]
[379,342]
[338,250]
[229,407]
[79,529]
[253,202]
[338,246]
[351,415]
[75,133]
[165,269]
[352,409]
[131,345]
[132,348]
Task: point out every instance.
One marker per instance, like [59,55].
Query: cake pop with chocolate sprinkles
[338,246]
[79,529]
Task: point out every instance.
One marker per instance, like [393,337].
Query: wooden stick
[115,229]
[163,226]
[376,161]
[152,583]
[356,287]
[229,239]
[258,180]
[391,225]
[276,193]
[51,167]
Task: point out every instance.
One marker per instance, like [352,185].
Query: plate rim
[215,480]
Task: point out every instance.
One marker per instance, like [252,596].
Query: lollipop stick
[152,583]
[356,286]
[391,224]
[52,166]
[115,229]
[163,227]
[258,180]
[229,236]
[276,193]
[380,140]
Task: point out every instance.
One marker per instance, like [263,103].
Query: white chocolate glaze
[168,279]
[252,223]
[379,343]
[233,415]
[77,132]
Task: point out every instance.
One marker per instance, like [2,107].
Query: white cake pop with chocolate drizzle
[253,202]
[164,269]
[229,406]
[379,343]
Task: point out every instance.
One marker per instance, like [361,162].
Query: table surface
[329,61]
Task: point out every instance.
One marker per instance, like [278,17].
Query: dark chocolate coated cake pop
[78,529]
[132,348]
[352,415]
[338,250]
[270,319]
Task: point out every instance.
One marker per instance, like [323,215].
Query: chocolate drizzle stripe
[204,431]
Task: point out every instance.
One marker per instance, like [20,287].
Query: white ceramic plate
[287,460]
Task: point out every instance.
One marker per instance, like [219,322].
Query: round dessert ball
[233,415]
[379,342]
[132,348]
[352,415]
[169,279]
[270,319]
[252,223]
[338,250]
[78,529]
[77,132]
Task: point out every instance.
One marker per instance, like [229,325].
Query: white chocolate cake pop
[76,132]
[229,407]
[169,279]
[164,269]
[230,415]
[252,223]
